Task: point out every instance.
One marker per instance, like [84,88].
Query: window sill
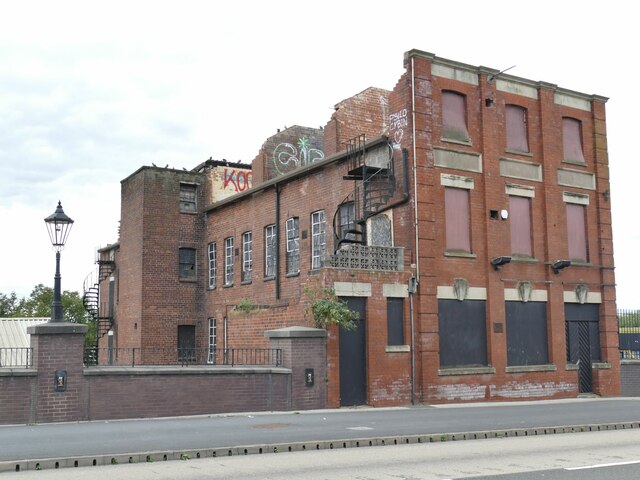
[188,280]
[581,263]
[397,348]
[211,288]
[188,212]
[457,141]
[443,372]
[518,152]
[517,257]
[594,366]
[531,368]
[458,254]
[575,162]
[269,279]
[296,274]
[227,285]
[245,282]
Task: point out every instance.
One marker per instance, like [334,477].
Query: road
[583,456]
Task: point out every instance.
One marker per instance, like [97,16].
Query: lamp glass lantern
[59,225]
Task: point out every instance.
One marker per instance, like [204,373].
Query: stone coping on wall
[594,366]
[187,370]
[296,332]
[629,361]
[56,328]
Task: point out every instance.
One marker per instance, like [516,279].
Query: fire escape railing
[99,311]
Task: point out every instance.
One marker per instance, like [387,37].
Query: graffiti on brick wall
[398,121]
[287,157]
[237,180]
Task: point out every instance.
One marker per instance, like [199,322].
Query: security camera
[559,265]
[498,262]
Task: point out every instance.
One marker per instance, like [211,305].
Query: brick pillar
[303,348]
[58,347]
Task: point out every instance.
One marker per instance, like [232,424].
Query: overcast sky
[91,91]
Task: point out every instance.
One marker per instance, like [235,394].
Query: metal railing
[137,357]
[16,357]
[629,334]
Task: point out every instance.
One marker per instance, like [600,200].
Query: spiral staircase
[97,309]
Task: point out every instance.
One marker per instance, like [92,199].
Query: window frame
[247,257]
[188,197]
[346,220]
[213,266]
[213,341]
[270,246]
[228,261]
[318,239]
[292,228]
[187,264]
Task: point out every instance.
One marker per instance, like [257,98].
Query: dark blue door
[353,367]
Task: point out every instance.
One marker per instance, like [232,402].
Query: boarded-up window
[576,232]
[462,333]
[517,128]
[395,321]
[456,201]
[526,333]
[454,117]
[572,140]
[520,218]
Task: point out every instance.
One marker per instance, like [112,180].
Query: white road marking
[603,465]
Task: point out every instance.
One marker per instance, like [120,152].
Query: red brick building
[465,215]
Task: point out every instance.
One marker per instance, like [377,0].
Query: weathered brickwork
[302,170]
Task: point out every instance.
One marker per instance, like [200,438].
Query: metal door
[353,365]
[583,341]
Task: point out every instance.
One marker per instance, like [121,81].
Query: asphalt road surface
[573,456]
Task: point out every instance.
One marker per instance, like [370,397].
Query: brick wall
[287,150]
[157,392]
[16,399]
[485,104]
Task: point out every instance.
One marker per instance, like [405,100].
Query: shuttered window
[576,232]
[454,116]
[520,218]
[456,202]
[572,140]
[517,128]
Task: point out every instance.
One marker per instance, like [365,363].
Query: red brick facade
[404,126]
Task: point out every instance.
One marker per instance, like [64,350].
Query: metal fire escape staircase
[91,298]
[374,185]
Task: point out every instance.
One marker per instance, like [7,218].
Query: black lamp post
[59,226]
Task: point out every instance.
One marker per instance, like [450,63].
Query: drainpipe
[412,290]
[277,241]
[415,168]
[416,279]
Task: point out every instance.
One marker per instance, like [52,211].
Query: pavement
[61,445]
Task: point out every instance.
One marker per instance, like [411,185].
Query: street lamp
[59,226]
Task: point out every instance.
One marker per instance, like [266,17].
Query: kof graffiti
[287,157]
[239,180]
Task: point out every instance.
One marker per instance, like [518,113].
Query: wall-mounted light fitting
[560,265]
[498,262]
